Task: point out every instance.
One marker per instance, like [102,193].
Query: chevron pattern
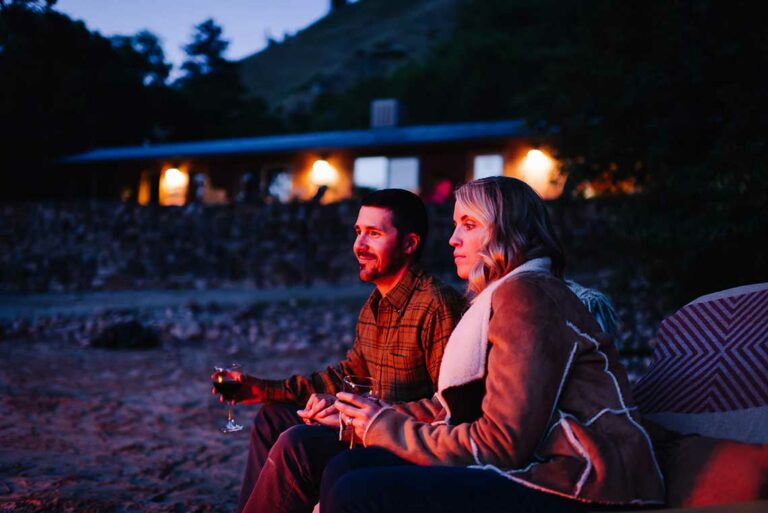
[711,357]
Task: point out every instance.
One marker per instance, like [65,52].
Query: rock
[126,335]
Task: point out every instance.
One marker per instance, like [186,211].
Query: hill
[360,40]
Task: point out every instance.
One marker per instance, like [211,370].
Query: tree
[666,95]
[145,49]
[205,54]
[214,102]
[64,89]
[39,5]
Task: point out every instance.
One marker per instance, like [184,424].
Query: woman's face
[469,236]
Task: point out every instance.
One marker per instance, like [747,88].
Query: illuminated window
[488,165]
[371,172]
[383,172]
[404,174]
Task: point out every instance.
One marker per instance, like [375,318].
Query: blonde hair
[518,224]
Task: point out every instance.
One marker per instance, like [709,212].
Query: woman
[533,411]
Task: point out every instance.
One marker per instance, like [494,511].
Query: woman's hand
[357,411]
[320,409]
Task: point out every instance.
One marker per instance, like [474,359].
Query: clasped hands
[356,411]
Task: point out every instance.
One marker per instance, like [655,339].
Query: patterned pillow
[709,373]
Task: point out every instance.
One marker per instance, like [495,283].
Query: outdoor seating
[705,400]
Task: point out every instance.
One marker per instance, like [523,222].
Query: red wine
[227,388]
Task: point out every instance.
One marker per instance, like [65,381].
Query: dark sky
[246,23]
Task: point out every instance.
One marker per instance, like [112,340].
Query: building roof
[393,136]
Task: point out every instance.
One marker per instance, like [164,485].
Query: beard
[376,267]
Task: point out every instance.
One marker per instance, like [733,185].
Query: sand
[97,430]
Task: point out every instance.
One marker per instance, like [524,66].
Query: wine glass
[227,383]
[363,386]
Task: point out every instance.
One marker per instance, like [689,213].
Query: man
[401,333]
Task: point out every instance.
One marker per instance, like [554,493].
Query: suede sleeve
[424,410]
[528,358]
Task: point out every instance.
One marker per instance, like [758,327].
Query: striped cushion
[709,373]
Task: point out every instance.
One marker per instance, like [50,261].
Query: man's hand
[248,392]
[320,409]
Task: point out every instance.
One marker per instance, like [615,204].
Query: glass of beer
[227,383]
[363,386]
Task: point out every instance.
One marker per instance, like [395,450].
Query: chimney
[385,112]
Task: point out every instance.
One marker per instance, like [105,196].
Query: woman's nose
[454,241]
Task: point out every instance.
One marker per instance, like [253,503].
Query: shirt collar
[401,292]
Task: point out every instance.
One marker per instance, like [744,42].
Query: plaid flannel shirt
[399,340]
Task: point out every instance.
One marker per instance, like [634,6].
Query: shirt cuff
[269,389]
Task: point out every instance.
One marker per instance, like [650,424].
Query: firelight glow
[323,173]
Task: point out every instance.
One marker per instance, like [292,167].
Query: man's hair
[409,215]
[519,228]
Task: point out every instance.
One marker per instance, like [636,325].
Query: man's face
[378,247]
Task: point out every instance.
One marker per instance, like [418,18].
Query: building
[429,160]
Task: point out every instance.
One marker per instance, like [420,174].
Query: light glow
[173,187]
[537,164]
[323,173]
[539,171]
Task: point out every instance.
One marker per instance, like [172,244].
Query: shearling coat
[554,411]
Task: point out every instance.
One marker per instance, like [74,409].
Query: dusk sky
[246,23]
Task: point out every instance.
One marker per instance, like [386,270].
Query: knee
[340,465]
[295,439]
[354,491]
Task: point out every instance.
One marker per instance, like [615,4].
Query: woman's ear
[410,243]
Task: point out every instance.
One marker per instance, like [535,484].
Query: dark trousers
[285,462]
[375,480]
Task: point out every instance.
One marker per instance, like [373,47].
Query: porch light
[539,170]
[175,179]
[323,173]
[537,165]
[173,187]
